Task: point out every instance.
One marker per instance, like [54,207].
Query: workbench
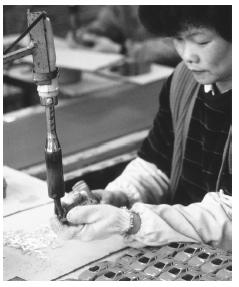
[27,208]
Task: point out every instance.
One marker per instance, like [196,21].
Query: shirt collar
[209,88]
[213,89]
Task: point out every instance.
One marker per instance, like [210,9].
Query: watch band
[134,222]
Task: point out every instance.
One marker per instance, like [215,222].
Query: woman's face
[207,55]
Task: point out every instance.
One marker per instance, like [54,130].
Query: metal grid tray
[176,261]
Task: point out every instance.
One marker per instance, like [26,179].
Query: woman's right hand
[116,198]
[81,194]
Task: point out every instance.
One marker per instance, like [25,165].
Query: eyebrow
[196,33]
[190,34]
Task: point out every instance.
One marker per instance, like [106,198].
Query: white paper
[84,60]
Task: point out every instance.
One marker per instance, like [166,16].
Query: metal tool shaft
[53,156]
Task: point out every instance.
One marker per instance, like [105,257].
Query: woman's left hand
[94,222]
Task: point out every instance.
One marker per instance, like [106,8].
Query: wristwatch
[134,222]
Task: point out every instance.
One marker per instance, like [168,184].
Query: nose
[188,52]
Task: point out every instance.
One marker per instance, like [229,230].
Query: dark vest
[183,93]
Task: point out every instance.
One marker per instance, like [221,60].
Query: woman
[179,186]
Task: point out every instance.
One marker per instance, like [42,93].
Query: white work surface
[23,191]
[70,255]
[84,60]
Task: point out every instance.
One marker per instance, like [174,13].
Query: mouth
[198,71]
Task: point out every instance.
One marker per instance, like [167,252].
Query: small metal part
[48,93]
[225,273]
[80,195]
[81,187]
[111,274]
[95,270]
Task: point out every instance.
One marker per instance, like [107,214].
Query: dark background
[15,20]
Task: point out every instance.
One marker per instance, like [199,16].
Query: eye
[178,39]
[203,42]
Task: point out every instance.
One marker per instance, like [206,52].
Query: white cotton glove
[116,198]
[98,221]
[81,193]
[63,231]
[81,196]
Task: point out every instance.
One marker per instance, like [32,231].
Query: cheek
[218,58]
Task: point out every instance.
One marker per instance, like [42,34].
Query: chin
[204,80]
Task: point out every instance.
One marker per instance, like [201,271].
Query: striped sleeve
[141,181]
[157,148]
[208,221]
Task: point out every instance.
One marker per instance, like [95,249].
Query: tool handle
[55,180]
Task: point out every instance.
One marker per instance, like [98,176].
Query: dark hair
[169,20]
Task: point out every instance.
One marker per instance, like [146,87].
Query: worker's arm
[208,221]
[145,179]
[141,181]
